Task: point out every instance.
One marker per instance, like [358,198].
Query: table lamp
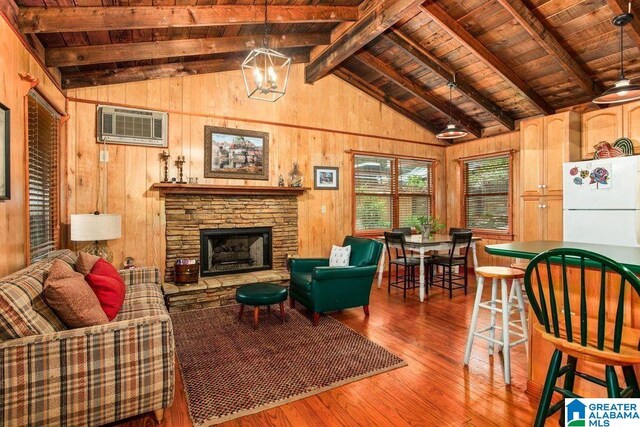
[96,228]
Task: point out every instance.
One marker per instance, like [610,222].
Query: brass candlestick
[179,164]
[165,156]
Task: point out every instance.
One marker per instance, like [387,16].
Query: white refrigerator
[601,201]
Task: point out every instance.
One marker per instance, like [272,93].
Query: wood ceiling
[511,58]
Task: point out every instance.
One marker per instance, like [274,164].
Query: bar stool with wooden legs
[502,305]
[597,330]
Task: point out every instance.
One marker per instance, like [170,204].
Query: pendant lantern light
[622,90]
[453,130]
[266,71]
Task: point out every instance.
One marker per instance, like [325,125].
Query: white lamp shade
[90,227]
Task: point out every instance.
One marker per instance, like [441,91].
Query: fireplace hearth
[235,250]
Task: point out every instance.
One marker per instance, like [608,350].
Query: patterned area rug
[231,370]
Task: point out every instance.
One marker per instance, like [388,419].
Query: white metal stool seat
[514,304]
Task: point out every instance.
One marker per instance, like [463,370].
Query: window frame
[60,119]
[395,192]
[486,232]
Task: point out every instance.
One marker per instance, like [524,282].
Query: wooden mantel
[205,189]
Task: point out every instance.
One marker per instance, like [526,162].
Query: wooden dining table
[416,243]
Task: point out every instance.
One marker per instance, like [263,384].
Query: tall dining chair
[460,241]
[584,319]
[404,230]
[397,242]
[458,230]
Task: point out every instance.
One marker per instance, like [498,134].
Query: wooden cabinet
[541,218]
[561,144]
[553,218]
[531,149]
[631,124]
[610,124]
[545,144]
[532,219]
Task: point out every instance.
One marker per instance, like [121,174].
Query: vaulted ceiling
[511,58]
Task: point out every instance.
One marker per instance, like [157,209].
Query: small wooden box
[187,273]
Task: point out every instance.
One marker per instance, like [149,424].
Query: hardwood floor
[434,389]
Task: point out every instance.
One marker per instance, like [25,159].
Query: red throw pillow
[108,287]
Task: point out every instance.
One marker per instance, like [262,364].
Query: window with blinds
[414,191]
[43,177]
[486,193]
[390,192]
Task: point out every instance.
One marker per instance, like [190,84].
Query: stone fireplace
[234,250]
[238,238]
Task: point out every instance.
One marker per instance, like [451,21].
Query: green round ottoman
[261,294]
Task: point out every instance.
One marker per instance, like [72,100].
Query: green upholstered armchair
[321,288]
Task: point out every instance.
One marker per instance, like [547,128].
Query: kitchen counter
[540,350]
[627,256]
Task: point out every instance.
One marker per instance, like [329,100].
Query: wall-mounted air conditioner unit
[120,125]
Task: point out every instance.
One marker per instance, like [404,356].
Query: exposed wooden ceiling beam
[460,34]
[149,72]
[358,82]
[618,7]
[77,19]
[391,74]
[551,45]
[82,55]
[377,19]
[426,59]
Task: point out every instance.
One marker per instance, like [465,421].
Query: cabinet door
[561,144]
[601,125]
[532,156]
[532,219]
[552,211]
[631,125]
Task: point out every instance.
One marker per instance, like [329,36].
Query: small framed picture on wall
[5,174]
[326,178]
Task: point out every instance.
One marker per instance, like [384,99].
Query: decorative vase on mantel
[295,176]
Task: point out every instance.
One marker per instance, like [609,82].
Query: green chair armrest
[334,273]
[306,265]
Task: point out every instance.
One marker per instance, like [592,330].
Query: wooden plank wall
[484,146]
[14,59]
[329,104]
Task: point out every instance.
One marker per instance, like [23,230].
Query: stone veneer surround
[187,214]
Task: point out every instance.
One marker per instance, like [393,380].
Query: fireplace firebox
[235,250]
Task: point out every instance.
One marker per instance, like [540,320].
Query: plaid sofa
[51,375]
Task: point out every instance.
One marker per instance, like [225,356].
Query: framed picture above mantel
[235,153]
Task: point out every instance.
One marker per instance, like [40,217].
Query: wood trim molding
[392,156]
[486,156]
[263,122]
[206,189]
